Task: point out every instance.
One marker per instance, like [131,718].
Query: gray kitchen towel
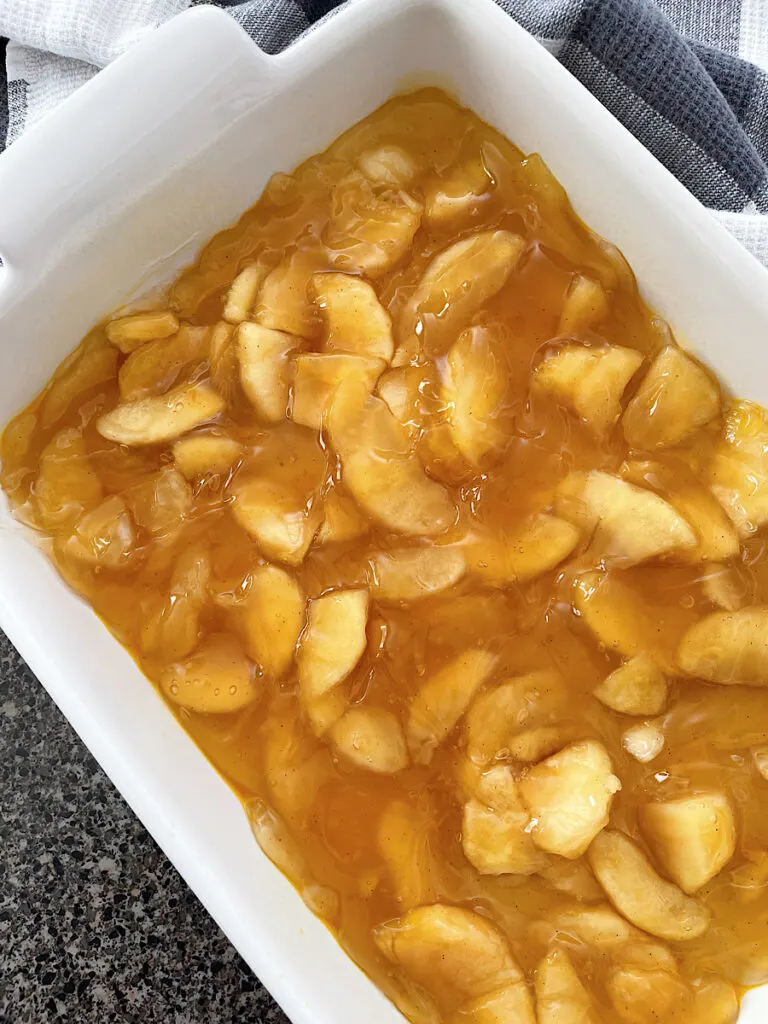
[689,78]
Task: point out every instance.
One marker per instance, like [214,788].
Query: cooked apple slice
[455,196]
[512,1003]
[717,539]
[157,365]
[355,320]
[318,376]
[499,714]
[675,398]
[203,454]
[161,418]
[404,843]
[635,688]
[161,502]
[271,619]
[475,384]
[276,841]
[640,894]
[104,536]
[242,293]
[277,520]
[640,995]
[325,711]
[223,361]
[129,332]
[586,305]
[67,483]
[454,953]
[172,631]
[372,739]
[723,587]
[590,381]
[343,519]
[460,280]
[599,927]
[265,368]
[283,302]
[409,574]
[739,468]
[714,1002]
[333,642]
[643,742]
[370,229]
[494,834]
[379,468]
[624,522]
[400,389]
[728,647]
[389,165]
[538,545]
[569,797]
[216,679]
[693,837]
[443,699]
[91,365]
[534,744]
[560,996]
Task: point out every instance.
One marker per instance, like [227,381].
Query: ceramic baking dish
[117,190]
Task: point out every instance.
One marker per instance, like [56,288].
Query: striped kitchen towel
[689,78]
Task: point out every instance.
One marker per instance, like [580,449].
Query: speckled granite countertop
[96,927]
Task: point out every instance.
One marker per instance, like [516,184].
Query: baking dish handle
[46,211]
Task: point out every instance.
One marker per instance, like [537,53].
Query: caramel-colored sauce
[268,750]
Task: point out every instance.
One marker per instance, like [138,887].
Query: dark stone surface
[96,927]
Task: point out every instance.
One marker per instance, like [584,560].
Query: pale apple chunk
[624,522]
[739,469]
[158,365]
[635,688]
[400,389]
[283,302]
[342,520]
[569,796]
[404,843]
[242,293]
[278,521]
[333,642]
[590,381]
[475,384]
[500,714]
[161,418]
[728,647]
[723,587]
[540,544]
[640,894]
[452,952]
[129,332]
[443,699]
[643,742]
[316,378]
[675,398]
[265,368]
[372,739]
[693,837]
[370,230]
[409,574]
[271,618]
[494,836]
[586,304]
[202,454]
[105,536]
[560,996]
[454,197]
[599,927]
[379,468]
[511,1004]
[355,321]
[216,679]
[389,165]
[461,279]
[325,711]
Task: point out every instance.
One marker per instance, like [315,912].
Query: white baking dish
[119,188]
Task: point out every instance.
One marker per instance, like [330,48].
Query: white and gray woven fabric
[689,78]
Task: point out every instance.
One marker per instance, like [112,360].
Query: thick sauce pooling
[450,561]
